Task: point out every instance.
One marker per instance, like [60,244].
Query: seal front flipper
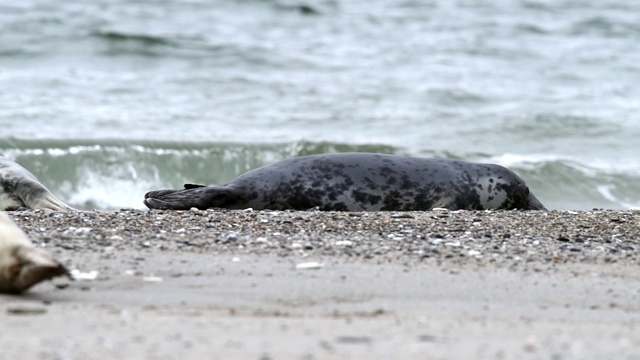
[200,197]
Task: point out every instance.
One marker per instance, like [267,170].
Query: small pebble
[309,266]
[79,275]
[26,310]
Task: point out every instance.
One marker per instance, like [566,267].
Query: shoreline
[448,284]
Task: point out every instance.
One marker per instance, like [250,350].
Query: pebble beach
[322,285]
[503,238]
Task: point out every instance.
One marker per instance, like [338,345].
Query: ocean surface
[104,100]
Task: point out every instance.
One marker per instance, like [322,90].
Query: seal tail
[21,264]
[534,203]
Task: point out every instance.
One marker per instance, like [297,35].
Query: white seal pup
[19,188]
[359,182]
[22,265]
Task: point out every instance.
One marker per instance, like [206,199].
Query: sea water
[104,100]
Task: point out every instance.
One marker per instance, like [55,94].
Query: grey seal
[22,265]
[359,182]
[19,188]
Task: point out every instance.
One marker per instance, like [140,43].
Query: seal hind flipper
[533,203]
[19,187]
[50,202]
[44,200]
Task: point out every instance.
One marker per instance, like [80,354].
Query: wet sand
[321,285]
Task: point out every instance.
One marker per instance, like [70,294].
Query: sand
[324,285]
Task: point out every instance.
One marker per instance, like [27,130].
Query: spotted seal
[359,182]
[19,188]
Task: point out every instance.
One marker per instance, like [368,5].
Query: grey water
[104,100]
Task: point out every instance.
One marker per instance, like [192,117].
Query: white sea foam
[607,190]
[107,189]
[110,194]
[524,160]
[590,167]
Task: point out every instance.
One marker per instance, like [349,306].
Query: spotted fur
[359,182]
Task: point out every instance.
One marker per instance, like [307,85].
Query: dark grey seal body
[359,182]
[20,189]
